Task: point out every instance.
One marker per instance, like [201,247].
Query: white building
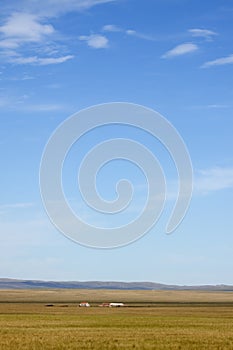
[116,304]
[84,304]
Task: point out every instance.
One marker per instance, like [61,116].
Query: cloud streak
[23,104]
[40,61]
[210,106]
[214,179]
[219,62]
[136,34]
[40,108]
[180,50]
[21,205]
[52,8]
[202,33]
[112,28]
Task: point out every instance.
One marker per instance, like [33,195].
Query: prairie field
[51,319]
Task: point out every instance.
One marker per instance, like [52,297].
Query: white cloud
[17,231]
[8,44]
[216,106]
[130,32]
[111,28]
[4,101]
[22,205]
[26,77]
[211,106]
[219,62]
[22,77]
[202,33]
[136,34]
[214,179]
[25,27]
[5,209]
[23,103]
[23,60]
[40,61]
[24,30]
[205,182]
[54,60]
[180,50]
[43,107]
[95,41]
[50,8]
[54,86]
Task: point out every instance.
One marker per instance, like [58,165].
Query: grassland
[151,320]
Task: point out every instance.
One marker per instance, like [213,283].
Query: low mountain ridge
[7,283]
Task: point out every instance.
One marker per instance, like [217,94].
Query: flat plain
[51,319]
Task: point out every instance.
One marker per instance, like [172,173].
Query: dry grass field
[150,320]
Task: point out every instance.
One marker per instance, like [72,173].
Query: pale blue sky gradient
[173,56]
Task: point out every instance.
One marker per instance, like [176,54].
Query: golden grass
[26,323]
[95,296]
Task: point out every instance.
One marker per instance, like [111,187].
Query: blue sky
[175,56]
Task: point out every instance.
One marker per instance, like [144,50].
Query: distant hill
[7,283]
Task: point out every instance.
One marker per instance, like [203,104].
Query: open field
[127,296]
[152,320]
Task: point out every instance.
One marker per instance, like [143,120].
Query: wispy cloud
[217,106]
[23,77]
[211,106]
[23,30]
[23,104]
[202,33]
[26,35]
[54,86]
[180,50]
[205,182]
[39,60]
[41,107]
[219,62]
[95,41]
[214,179]
[136,34]
[112,28]
[4,101]
[50,8]
[22,205]
[9,44]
